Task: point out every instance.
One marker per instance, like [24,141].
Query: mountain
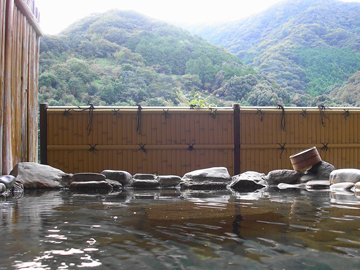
[308,47]
[125,58]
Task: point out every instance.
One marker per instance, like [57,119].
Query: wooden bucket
[305,158]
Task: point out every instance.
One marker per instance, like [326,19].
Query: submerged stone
[318,184]
[169,180]
[87,177]
[344,175]
[115,184]
[100,186]
[204,185]
[342,186]
[37,176]
[122,177]
[143,176]
[284,176]
[290,186]
[139,183]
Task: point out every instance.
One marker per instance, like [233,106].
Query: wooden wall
[19,64]
[258,139]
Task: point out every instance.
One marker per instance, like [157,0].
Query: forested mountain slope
[308,47]
[124,58]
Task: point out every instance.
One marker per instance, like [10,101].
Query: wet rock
[142,176]
[284,176]
[356,187]
[308,177]
[215,178]
[140,183]
[8,181]
[169,180]
[115,184]
[2,188]
[342,186]
[320,171]
[290,186]
[66,179]
[98,186]
[248,181]
[344,175]
[318,184]
[122,177]
[88,177]
[37,176]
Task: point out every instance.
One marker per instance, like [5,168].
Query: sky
[57,15]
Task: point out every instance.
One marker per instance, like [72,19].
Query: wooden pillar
[237,160]
[43,133]
[6,151]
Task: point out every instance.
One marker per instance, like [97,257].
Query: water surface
[172,229]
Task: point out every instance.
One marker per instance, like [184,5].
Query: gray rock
[203,185]
[8,181]
[115,184]
[344,175]
[342,186]
[88,177]
[320,170]
[284,176]
[37,176]
[66,179]
[121,176]
[215,174]
[140,183]
[169,180]
[357,187]
[248,181]
[2,188]
[144,176]
[98,186]
[318,184]
[308,177]
[290,186]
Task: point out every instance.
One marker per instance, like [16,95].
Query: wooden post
[43,133]
[237,160]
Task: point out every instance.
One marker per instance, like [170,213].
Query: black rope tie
[282,148]
[322,114]
[259,111]
[166,114]
[67,112]
[142,147]
[304,113]
[192,106]
[346,114]
[138,127]
[283,123]
[191,147]
[93,149]
[325,147]
[213,113]
[116,112]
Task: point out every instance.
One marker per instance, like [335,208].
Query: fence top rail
[206,109]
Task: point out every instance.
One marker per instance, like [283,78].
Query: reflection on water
[172,229]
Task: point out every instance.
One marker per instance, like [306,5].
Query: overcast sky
[57,15]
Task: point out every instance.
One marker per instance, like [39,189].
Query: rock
[37,176]
[88,177]
[321,170]
[211,178]
[139,183]
[169,180]
[284,176]
[115,184]
[98,186]
[248,181]
[142,176]
[122,177]
[318,184]
[290,186]
[8,181]
[342,186]
[66,179]
[357,187]
[215,174]
[2,188]
[344,175]
[308,177]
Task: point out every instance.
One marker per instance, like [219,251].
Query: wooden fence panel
[146,141]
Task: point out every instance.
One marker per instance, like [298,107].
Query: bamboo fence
[19,63]
[179,140]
